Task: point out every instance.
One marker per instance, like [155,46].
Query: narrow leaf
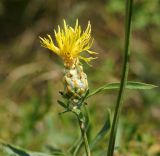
[11,150]
[139,85]
[129,85]
[83,99]
[55,151]
[62,104]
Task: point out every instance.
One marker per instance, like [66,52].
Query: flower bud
[75,81]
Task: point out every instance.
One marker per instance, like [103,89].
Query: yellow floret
[70,43]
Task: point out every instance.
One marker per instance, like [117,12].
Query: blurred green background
[31,76]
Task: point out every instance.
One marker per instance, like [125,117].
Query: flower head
[71,42]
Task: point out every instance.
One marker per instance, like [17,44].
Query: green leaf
[139,85]
[81,101]
[104,130]
[129,85]
[55,151]
[11,150]
[62,104]
[76,147]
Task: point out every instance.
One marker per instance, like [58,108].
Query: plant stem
[77,148]
[125,69]
[84,135]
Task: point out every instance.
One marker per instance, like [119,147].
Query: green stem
[84,135]
[125,69]
[78,147]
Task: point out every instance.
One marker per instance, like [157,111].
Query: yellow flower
[70,43]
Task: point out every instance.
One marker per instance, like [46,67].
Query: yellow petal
[87,59]
[71,41]
[48,43]
[91,52]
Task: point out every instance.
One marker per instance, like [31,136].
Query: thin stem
[125,69]
[77,148]
[84,136]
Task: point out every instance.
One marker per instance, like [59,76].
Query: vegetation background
[31,76]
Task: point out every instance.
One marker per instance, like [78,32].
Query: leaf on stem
[130,85]
[81,101]
[62,104]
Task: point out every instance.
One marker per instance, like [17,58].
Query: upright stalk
[125,69]
[84,136]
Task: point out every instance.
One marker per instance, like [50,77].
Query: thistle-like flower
[71,43]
